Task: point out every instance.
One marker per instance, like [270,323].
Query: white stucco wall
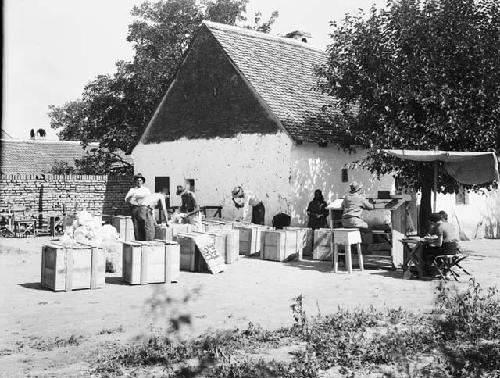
[315,167]
[258,162]
[480,218]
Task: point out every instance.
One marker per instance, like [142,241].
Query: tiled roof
[281,71]
[37,156]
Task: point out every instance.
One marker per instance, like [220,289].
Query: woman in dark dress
[317,211]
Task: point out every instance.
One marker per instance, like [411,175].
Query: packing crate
[147,262]
[230,245]
[278,245]
[162,232]
[322,244]
[70,268]
[304,240]
[113,251]
[250,235]
[196,248]
[211,225]
[124,226]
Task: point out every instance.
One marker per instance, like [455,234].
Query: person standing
[353,205]
[189,206]
[142,215]
[317,211]
[157,199]
[244,199]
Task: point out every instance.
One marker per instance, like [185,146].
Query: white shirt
[153,199]
[250,199]
[135,196]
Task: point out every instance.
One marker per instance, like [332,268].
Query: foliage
[115,109]
[460,339]
[62,168]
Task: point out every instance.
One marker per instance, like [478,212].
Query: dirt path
[36,325]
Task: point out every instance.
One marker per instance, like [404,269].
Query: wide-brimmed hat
[139,176]
[355,187]
[237,191]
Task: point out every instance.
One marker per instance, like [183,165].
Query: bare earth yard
[47,334]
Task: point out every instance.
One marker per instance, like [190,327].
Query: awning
[466,167]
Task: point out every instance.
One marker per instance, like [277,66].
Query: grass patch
[110,331]
[459,339]
[51,344]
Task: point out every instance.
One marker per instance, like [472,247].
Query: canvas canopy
[466,167]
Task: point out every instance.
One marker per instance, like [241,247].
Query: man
[157,198]
[189,206]
[353,205]
[245,199]
[142,215]
[446,236]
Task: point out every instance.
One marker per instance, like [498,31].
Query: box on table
[124,226]
[162,232]
[322,244]
[147,262]
[278,245]
[304,240]
[70,268]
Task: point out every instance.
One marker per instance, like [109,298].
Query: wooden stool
[346,237]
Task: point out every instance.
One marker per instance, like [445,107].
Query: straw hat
[355,187]
[140,176]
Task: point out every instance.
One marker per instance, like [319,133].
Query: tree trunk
[425,202]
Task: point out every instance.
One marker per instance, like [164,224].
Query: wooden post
[435,185]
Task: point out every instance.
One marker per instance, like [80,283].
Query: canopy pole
[435,184]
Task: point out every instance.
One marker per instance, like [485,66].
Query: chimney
[298,35]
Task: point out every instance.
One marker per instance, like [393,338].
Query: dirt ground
[40,329]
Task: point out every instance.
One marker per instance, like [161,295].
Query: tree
[417,74]
[115,109]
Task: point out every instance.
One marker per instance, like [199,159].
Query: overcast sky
[52,48]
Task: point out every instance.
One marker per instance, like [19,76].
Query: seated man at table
[352,205]
[446,237]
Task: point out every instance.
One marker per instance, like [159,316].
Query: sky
[52,48]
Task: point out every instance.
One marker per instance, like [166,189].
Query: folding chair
[446,263]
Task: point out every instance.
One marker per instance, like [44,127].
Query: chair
[445,265]
[346,237]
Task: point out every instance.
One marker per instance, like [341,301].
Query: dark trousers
[144,223]
[258,213]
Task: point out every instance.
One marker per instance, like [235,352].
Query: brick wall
[48,193]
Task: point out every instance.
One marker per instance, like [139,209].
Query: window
[190,184]
[344,173]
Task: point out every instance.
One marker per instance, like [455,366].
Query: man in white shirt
[142,214]
[244,199]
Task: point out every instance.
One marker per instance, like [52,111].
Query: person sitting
[446,236]
[317,211]
[353,205]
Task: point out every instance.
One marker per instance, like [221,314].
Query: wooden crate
[124,226]
[231,244]
[304,240]
[162,232]
[194,260]
[187,248]
[322,244]
[76,267]
[250,236]
[172,261]
[113,251]
[278,245]
[144,262]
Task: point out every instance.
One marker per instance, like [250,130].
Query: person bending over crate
[244,199]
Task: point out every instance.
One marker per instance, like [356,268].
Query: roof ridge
[261,35]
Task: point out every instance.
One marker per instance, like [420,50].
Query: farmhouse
[242,110]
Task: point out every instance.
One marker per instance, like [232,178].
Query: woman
[353,205]
[317,211]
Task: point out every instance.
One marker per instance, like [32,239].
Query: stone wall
[47,194]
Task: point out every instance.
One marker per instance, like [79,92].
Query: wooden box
[113,252]
[124,226]
[250,238]
[278,245]
[194,260]
[187,248]
[162,232]
[144,262]
[230,245]
[172,261]
[75,267]
[322,244]
[304,240]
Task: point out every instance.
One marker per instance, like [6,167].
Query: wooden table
[413,251]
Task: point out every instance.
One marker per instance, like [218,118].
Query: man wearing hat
[189,206]
[245,199]
[352,205]
[142,214]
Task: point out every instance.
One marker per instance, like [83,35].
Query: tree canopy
[416,74]
[115,109]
